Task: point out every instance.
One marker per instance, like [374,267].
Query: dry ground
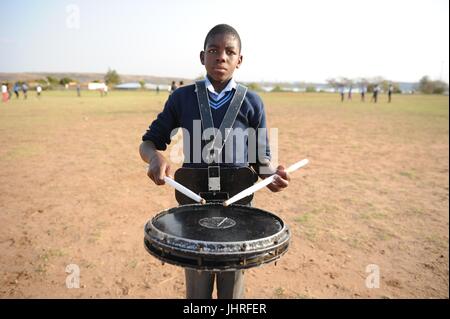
[74,190]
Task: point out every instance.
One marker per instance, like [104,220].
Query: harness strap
[227,122]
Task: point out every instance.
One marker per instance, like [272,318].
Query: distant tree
[311,88]
[112,77]
[372,82]
[254,87]
[428,86]
[199,77]
[332,82]
[347,82]
[43,83]
[142,84]
[338,82]
[277,88]
[384,85]
[52,82]
[65,80]
[397,88]
[362,82]
[440,87]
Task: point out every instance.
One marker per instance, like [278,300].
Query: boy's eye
[212,51]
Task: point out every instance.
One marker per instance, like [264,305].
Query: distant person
[5,96]
[8,89]
[24,90]
[105,89]
[173,87]
[78,90]
[363,93]
[390,91]
[376,89]
[342,92]
[180,84]
[157,89]
[16,89]
[38,90]
[350,93]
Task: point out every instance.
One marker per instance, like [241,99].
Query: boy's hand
[158,168]
[281,181]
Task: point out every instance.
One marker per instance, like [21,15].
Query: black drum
[216,238]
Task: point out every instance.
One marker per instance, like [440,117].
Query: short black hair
[222,29]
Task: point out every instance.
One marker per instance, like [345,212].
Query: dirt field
[73,190]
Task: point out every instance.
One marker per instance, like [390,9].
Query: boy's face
[221,57]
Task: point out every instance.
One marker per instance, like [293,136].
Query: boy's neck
[218,86]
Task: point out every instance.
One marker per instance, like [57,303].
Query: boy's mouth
[219,68]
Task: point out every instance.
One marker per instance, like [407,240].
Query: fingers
[273,188]
[281,180]
[160,173]
[157,173]
[282,173]
[278,184]
[154,176]
[167,171]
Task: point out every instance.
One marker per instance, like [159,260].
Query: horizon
[304,41]
[181,78]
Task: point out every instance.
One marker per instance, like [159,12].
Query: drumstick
[263,183]
[184,190]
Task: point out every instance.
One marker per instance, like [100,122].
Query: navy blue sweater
[181,110]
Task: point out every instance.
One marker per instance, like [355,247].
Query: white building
[96,86]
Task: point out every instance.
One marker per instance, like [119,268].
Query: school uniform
[182,111]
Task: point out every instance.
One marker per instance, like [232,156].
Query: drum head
[214,237]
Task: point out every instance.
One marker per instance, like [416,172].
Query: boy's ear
[239,61]
[202,57]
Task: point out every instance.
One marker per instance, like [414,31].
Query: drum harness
[215,150]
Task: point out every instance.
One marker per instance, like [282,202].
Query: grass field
[73,190]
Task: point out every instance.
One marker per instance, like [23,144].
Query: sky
[282,40]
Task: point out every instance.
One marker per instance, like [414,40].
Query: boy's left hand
[281,181]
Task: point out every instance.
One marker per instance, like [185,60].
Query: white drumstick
[184,190]
[263,183]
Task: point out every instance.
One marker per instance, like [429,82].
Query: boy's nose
[221,56]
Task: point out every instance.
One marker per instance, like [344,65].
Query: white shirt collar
[231,85]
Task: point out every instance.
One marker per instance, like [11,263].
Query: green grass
[303,219]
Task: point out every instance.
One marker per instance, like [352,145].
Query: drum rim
[161,238]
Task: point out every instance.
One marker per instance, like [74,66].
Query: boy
[5,96]
[38,90]
[221,56]
[24,90]
[390,91]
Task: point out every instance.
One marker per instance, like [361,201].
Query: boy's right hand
[158,168]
